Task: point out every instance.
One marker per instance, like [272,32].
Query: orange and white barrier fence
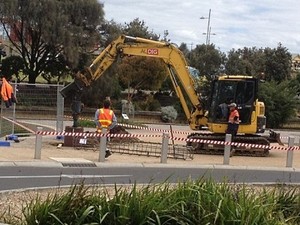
[165,140]
[204,141]
[165,134]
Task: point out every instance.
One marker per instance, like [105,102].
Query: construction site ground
[53,150]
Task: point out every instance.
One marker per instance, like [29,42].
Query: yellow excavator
[240,89]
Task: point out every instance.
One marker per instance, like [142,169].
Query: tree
[12,65]
[274,64]
[207,59]
[297,83]
[246,61]
[280,102]
[106,85]
[55,68]
[278,64]
[42,29]
[138,28]
[140,73]
[186,52]
[110,31]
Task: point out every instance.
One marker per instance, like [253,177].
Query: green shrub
[168,114]
[280,102]
[198,202]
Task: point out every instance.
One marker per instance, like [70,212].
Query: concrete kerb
[31,164]
[148,165]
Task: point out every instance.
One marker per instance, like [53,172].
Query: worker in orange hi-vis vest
[105,118]
[233,123]
[233,120]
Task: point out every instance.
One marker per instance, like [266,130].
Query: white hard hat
[232,105]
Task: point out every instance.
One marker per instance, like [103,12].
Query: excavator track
[212,146]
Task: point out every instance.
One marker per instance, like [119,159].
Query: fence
[98,142]
[136,147]
[34,102]
[163,149]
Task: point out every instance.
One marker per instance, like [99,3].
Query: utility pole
[166,33]
[208,31]
[208,28]
[191,46]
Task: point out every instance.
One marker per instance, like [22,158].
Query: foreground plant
[189,202]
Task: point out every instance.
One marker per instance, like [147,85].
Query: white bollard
[164,148]
[102,148]
[38,144]
[290,153]
[227,149]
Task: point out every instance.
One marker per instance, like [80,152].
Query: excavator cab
[241,90]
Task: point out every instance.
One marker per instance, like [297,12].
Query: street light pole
[208,32]
[208,28]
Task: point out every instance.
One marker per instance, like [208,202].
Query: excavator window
[242,92]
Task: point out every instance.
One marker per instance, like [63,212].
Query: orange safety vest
[105,117]
[233,114]
[6,90]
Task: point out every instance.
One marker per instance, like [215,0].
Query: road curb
[31,164]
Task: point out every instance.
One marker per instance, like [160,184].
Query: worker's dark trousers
[232,129]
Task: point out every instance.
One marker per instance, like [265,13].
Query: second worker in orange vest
[105,118]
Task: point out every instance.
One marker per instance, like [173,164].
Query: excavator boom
[173,58]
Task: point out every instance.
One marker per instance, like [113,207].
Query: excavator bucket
[71,89]
[274,137]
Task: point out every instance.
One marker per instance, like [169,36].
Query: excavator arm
[173,58]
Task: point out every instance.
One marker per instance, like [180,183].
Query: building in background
[295,62]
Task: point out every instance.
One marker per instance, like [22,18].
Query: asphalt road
[24,177]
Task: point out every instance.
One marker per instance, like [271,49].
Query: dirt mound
[121,130]
[118,130]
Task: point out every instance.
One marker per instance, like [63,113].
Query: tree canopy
[140,73]
[40,30]
[280,102]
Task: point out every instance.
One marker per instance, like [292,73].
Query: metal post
[227,149]
[1,125]
[59,110]
[290,153]
[14,109]
[208,29]
[102,148]
[38,144]
[164,148]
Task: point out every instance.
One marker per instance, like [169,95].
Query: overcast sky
[235,23]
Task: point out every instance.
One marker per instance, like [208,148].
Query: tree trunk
[31,78]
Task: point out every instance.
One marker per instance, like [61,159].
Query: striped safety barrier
[204,141]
